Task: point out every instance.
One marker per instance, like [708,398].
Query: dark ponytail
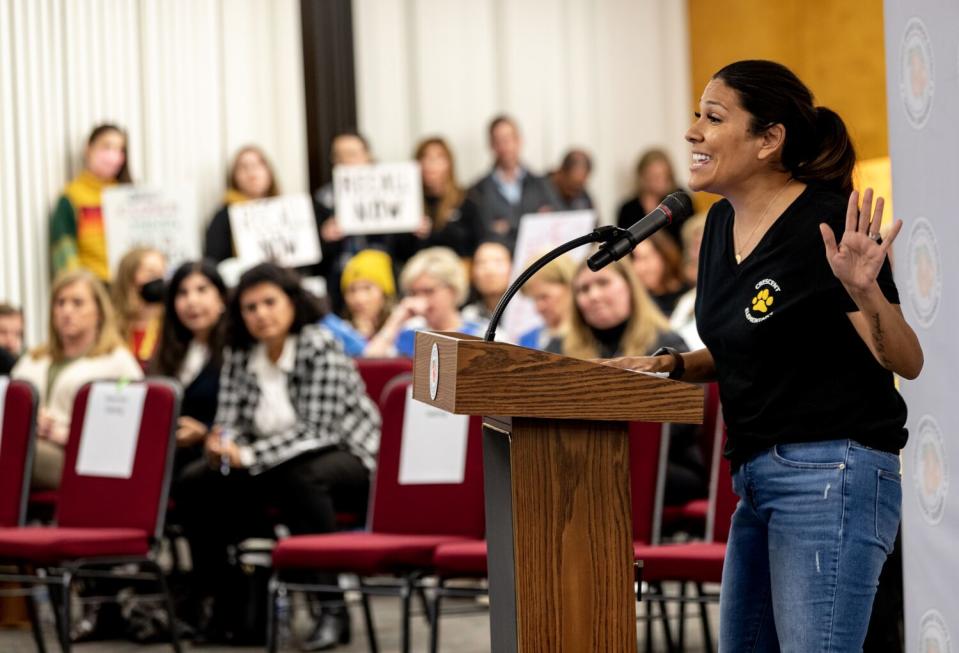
[818,148]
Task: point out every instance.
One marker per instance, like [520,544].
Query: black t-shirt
[791,367]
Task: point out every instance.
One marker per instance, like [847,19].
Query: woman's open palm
[857,258]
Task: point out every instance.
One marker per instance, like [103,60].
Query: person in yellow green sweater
[77,234]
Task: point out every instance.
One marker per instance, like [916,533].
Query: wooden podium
[556,464]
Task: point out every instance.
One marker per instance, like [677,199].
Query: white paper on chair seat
[111,428]
[4,382]
[434,445]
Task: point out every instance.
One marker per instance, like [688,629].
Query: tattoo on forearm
[878,339]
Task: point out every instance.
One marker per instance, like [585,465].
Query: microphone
[676,206]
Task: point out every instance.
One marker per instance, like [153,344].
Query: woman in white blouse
[294,432]
[83,345]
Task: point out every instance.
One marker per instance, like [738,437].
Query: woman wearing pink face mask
[77,235]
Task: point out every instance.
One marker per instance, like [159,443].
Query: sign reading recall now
[278,229]
[378,199]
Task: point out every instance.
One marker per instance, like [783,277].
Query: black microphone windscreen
[679,205]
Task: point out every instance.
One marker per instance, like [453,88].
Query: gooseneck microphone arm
[604,234]
[674,207]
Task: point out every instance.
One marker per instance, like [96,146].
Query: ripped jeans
[810,534]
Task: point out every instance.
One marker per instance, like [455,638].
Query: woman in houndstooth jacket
[295,431]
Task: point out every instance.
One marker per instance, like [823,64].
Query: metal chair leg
[664,620]
[35,623]
[704,616]
[368,620]
[681,638]
[273,590]
[405,602]
[435,619]
[648,609]
[427,612]
[167,603]
[66,584]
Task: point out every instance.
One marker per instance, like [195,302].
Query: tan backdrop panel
[835,46]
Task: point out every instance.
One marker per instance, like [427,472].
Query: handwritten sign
[539,233]
[162,218]
[111,429]
[278,229]
[378,199]
[434,445]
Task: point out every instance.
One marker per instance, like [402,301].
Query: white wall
[608,75]
[191,80]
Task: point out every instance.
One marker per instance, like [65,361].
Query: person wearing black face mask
[138,317]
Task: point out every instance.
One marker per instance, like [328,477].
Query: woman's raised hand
[857,258]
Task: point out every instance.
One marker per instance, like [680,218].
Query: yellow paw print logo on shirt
[763,301]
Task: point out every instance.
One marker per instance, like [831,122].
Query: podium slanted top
[473,377]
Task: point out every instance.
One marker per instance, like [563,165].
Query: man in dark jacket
[510,190]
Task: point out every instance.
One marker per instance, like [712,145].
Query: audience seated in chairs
[83,345]
[435,284]
[138,303]
[612,315]
[450,217]
[658,263]
[489,274]
[550,290]
[191,350]
[294,432]
[655,180]
[369,294]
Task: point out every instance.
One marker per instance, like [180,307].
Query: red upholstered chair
[16,451]
[406,524]
[696,562]
[692,515]
[103,522]
[378,372]
[648,447]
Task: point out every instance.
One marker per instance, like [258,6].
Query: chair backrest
[436,509]
[100,501]
[712,412]
[16,449]
[648,448]
[378,372]
[722,499]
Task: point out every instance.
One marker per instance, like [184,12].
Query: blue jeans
[812,529]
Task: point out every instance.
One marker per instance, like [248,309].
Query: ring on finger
[876,237]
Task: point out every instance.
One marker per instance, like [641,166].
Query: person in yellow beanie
[369,293]
[369,290]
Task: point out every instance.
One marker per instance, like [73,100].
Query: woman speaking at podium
[800,316]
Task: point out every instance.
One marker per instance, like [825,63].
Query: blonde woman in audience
[83,345]
[550,290]
[683,319]
[435,285]
[139,314]
[77,230]
[489,274]
[294,431]
[251,177]
[611,313]
[658,263]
